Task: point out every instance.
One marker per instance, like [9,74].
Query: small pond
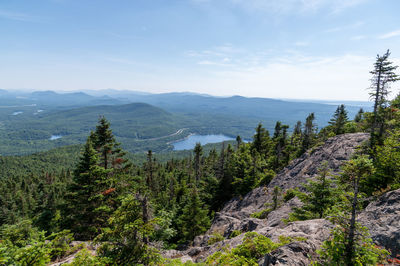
[190,142]
[54,137]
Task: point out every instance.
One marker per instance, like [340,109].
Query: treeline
[130,209]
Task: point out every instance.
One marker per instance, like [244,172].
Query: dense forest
[132,210]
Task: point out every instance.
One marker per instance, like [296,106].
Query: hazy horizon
[103,92]
[316,49]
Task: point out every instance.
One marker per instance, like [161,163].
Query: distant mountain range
[142,121]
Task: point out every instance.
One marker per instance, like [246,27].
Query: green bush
[263,214]
[235,233]
[22,244]
[216,237]
[333,250]
[253,247]
[85,258]
[289,194]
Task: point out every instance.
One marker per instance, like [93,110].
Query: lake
[190,142]
[54,137]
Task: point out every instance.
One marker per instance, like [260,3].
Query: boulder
[382,217]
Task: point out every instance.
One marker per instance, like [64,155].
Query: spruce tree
[82,199]
[261,140]
[194,219]
[359,116]
[339,119]
[308,134]
[198,152]
[320,195]
[110,153]
[383,75]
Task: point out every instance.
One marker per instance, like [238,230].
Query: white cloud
[342,77]
[390,34]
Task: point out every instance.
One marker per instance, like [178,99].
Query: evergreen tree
[308,135]
[83,197]
[359,116]
[339,119]
[321,194]
[125,240]
[198,152]
[194,219]
[280,142]
[150,184]
[354,171]
[238,141]
[383,75]
[350,243]
[261,140]
[110,153]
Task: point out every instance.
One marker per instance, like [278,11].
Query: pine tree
[339,119]
[261,140]
[238,141]
[350,243]
[321,194]
[354,171]
[194,219]
[150,172]
[198,152]
[110,153]
[359,116]
[383,75]
[308,133]
[280,141]
[82,199]
[125,240]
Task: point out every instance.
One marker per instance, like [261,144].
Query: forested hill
[21,134]
[28,121]
[266,110]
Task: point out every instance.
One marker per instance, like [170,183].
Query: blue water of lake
[190,142]
[54,137]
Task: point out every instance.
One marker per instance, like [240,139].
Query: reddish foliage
[108,191]
[394,261]
[119,161]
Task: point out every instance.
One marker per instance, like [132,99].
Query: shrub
[253,247]
[216,237]
[289,194]
[235,233]
[263,214]
[333,250]
[84,257]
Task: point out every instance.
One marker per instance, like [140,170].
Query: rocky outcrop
[236,213]
[335,151]
[314,232]
[382,217]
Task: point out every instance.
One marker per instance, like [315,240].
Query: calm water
[191,141]
[54,137]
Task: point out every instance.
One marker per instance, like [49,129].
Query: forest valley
[131,212]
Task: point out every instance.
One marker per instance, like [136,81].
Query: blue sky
[316,49]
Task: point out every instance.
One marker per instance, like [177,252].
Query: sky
[299,49]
